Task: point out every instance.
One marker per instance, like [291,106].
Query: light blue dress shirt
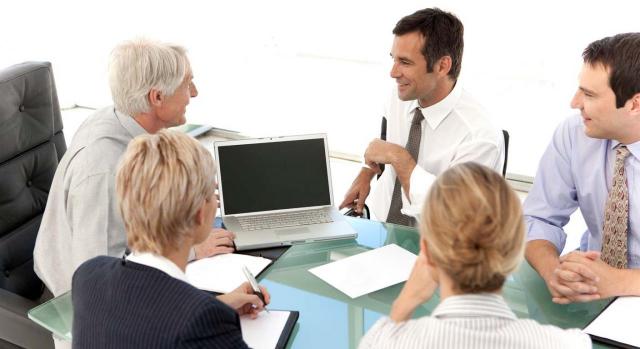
[577,171]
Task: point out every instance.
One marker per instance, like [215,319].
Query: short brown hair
[620,54]
[162,181]
[472,223]
[443,35]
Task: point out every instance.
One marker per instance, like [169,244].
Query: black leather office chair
[31,144]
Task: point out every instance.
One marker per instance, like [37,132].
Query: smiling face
[597,104]
[410,70]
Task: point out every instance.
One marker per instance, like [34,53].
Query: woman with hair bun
[472,239]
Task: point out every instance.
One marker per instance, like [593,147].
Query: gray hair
[140,65]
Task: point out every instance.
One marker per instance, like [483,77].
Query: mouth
[401,85]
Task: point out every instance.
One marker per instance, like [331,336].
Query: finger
[265,293]
[579,268]
[593,255]
[581,287]
[561,300]
[348,200]
[586,297]
[221,250]
[568,275]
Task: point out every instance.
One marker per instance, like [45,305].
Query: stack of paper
[617,324]
[223,273]
[369,271]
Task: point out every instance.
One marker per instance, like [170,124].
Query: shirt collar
[130,124]
[474,305]
[634,148]
[158,262]
[436,113]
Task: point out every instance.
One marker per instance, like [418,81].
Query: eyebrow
[586,90]
[401,58]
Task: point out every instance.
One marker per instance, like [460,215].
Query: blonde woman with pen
[167,199]
[472,238]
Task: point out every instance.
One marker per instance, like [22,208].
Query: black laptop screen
[273,176]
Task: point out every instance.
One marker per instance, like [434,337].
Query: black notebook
[271,330]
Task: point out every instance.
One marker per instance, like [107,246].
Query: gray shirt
[82,219]
[471,321]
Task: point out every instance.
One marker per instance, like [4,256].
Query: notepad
[223,273]
[369,271]
[269,330]
[618,323]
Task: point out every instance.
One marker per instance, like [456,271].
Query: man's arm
[383,152]
[360,188]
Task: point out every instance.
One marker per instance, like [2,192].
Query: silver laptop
[277,191]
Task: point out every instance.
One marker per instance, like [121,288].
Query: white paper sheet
[369,271]
[264,331]
[223,273]
[619,322]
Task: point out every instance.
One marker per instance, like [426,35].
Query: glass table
[330,319]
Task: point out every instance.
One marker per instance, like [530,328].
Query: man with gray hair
[151,84]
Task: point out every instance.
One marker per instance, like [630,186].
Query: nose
[394,73]
[576,101]
[194,90]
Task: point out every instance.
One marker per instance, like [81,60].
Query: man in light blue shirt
[577,170]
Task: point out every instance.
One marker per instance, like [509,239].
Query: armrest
[16,327]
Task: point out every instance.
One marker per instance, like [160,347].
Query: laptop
[277,191]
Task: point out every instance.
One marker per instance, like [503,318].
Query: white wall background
[280,67]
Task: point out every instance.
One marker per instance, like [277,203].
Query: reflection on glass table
[330,319]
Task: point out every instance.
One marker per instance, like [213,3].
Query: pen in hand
[254,286]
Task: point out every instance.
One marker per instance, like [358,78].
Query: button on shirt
[471,321]
[577,171]
[455,130]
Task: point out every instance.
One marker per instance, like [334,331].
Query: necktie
[413,147]
[616,215]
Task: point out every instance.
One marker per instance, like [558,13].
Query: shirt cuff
[419,184]
[538,229]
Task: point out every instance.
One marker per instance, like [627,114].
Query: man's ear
[443,65]
[155,97]
[634,104]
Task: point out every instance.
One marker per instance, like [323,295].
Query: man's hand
[359,190]
[382,152]
[418,289]
[219,241]
[582,270]
[244,302]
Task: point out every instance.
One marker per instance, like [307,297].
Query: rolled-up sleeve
[553,197]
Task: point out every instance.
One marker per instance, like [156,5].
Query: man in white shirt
[449,126]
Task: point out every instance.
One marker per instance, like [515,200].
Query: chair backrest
[505,134]
[31,145]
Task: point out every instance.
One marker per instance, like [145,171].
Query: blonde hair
[472,223]
[140,65]
[162,181]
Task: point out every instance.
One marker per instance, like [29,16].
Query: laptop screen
[273,175]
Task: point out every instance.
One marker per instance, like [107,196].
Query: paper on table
[223,273]
[369,271]
[264,331]
[618,322]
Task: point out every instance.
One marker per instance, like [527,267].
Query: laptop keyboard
[281,220]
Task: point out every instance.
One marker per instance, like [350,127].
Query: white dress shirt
[454,130]
[158,262]
[471,321]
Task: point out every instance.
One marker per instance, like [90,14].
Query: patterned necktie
[616,215]
[413,147]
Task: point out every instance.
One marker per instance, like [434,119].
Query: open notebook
[617,324]
[223,273]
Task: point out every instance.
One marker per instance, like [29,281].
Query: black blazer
[121,304]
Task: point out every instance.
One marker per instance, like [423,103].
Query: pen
[254,285]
